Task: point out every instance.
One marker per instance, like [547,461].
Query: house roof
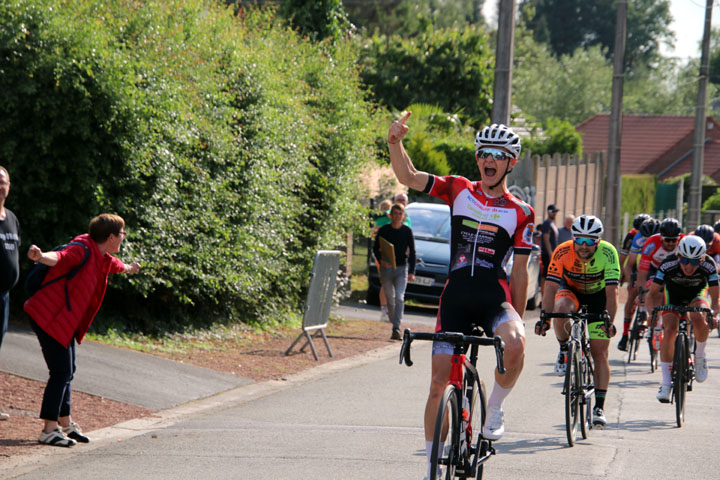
[645,138]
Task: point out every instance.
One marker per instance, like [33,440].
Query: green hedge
[229,144]
[638,195]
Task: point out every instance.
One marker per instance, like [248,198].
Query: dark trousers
[60,361]
[5,313]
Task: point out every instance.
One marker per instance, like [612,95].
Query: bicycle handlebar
[604,316]
[455,338]
[683,309]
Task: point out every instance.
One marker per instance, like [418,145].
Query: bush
[450,68]
[229,145]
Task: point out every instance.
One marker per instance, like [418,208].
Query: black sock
[563,344]
[600,398]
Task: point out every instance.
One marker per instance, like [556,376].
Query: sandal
[56,438]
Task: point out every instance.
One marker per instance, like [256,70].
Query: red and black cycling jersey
[627,242]
[484,228]
[683,288]
[653,254]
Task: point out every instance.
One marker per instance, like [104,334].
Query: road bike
[654,339]
[458,444]
[683,368]
[637,331]
[579,385]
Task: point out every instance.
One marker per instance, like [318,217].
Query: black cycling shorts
[473,301]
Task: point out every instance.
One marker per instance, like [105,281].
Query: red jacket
[86,290]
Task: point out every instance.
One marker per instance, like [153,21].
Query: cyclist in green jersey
[584,271]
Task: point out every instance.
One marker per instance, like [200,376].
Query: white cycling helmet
[692,247]
[587,226]
[498,136]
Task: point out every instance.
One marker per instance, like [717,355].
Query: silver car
[431,228]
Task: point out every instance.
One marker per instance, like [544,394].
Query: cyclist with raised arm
[486,222]
[584,271]
[685,278]
[630,279]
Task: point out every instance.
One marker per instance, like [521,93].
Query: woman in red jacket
[59,321]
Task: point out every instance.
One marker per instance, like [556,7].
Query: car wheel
[373,296]
[534,302]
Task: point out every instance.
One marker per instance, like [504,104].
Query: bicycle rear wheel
[588,388]
[653,351]
[679,378]
[447,435]
[572,387]
[475,393]
[632,343]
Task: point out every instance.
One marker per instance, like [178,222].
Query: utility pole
[613,189]
[695,196]
[503,62]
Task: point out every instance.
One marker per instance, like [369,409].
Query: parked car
[431,229]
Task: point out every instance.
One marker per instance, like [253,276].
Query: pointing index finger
[405,117]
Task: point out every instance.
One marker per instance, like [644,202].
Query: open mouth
[490,172]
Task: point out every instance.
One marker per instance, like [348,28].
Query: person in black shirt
[9,260]
[394,280]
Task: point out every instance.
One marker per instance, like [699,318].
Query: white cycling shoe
[663,394]
[494,424]
[701,369]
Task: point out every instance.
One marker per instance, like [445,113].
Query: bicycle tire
[653,352]
[447,432]
[632,344]
[586,380]
[679,381]
[572,386]
[477,398]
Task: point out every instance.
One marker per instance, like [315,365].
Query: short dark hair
[398,206]
[102,226]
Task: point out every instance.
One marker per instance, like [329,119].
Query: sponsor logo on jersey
[528,233]
[489,251]
[489,228]
[484,264]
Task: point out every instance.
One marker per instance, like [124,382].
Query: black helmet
[670,228]
[649,227]
[705,232]
[639,219]
[716,227]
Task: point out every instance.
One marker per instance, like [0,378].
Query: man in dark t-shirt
[549,241]
[9,261]
[394,280]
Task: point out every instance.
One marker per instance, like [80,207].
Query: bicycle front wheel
[653,350]
[679,378]
[572,389]
[588,388]
[446,439]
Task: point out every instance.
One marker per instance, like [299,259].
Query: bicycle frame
[464,458]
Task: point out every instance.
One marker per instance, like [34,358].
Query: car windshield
[430,224]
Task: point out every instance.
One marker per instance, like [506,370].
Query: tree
[407,18]
[318,19]
[566,25]
[572,87]
[451,68]
[559,136]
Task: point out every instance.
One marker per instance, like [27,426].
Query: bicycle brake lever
[405,349]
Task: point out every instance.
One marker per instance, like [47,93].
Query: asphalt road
[361,418]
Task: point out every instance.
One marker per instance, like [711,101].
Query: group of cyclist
[488,224]
[666,267]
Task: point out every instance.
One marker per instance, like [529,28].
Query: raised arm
[403,167]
